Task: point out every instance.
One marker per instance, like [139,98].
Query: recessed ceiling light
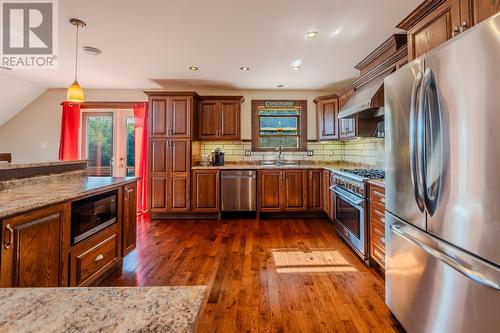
[296,67]
[92,50]
[245,68]
[280,86]
[312,34]
[193,68]
[6,68]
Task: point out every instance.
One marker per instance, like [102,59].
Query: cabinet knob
[99,258]
[464,26]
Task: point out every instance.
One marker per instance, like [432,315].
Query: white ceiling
[149,44]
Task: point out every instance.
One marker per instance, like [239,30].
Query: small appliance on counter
[205,159]
[218,157]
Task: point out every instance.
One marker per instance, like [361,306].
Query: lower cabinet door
[294,190]
[179,194]
[205,191]
[315,190]
[129,224]
[325,189]
[32,250]
[269,189]
[158,194]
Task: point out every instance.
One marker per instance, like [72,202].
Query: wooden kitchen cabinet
[483,9]
[171,116]
[376,198]
[93,258]
[205,191]
[34,248]
[325,191]
[171,123]
[129,224]
[347,127]
[282,190]
[294,190]
[219,117]
[331,200]
[327,109]
[315,190]
[436,21]
[269,190]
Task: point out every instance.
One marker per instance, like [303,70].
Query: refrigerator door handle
[427,244]
[414,112]
[431,159]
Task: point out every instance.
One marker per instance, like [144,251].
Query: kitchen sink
[282,163]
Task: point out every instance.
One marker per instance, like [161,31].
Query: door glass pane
[130,167]
[99,144]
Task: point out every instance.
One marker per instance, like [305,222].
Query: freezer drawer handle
[471,274]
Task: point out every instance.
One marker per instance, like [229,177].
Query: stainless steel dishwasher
[238,190]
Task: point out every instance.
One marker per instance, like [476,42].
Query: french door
[108,142]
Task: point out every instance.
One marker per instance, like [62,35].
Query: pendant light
[75,92]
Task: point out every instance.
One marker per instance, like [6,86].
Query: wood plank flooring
[264,276]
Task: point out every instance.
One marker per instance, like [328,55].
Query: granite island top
[17,197]
[101,309]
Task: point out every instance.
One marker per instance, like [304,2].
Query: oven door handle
[347,196]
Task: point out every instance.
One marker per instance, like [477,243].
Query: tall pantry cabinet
[171,130]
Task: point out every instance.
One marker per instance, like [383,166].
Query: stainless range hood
[367,101]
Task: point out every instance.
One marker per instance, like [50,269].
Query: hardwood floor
[263,276]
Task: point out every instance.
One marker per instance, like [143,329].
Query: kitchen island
[62,228]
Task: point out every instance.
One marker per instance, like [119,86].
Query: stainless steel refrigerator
[442,115]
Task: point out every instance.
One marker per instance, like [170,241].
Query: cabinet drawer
[378,233]
[378,254]
[95,259]
[377,214]
[377,195]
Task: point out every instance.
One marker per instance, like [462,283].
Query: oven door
[350,219]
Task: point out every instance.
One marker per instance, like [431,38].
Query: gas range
[351,222]
[354,180]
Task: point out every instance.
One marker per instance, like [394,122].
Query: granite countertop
[123,309]
[301,165]
[377,182]
[9,166]
[20,196]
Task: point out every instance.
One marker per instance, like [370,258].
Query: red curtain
[141,154]
[70,125]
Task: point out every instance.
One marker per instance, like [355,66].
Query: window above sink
[279,123]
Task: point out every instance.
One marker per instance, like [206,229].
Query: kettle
[218,157]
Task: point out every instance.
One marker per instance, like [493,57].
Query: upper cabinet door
[179,116]
[158,116]
[328,124]
[230,120]
[436,28]
[482,9]
[208,119]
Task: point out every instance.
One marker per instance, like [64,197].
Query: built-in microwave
[90,215]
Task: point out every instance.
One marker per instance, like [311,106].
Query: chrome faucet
[280,153]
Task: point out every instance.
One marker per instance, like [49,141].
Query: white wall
[33,134]
[15,95]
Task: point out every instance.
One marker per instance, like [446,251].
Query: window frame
[258,104]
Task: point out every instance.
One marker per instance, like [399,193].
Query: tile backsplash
[367,151]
